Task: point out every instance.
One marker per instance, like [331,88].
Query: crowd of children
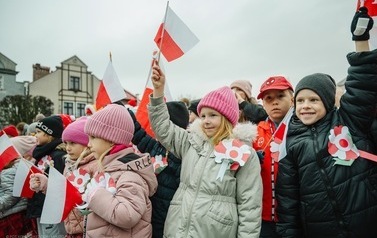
[213,168]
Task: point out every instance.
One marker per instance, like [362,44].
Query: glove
[99,181]
[38,182]
[361,25]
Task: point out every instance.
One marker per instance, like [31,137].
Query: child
[250,110]
[168,174]
[13,220]
[325,186]
[50,151]
[277,96]
[78,157]
[123,211]
[212,200]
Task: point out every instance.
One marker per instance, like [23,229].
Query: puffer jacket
[128,212]
[317,198]
[8,204]
[168,179]
[74,223]
[204,206]
[374,132]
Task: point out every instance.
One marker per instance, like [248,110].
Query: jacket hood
[126,160]
[246,132]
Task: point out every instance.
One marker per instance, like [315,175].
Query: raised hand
[361,24]
[158,80]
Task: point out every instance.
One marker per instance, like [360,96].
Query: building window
[74,83]
[68,108]
[1,82]
[80,110]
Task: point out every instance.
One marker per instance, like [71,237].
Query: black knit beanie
[52,125]
[194,106]
[178,113]
[321,84]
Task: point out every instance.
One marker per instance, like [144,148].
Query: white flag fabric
[110,89]
[174,38]
[61,198]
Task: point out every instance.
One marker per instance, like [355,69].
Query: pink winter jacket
[74,223]
[128,212]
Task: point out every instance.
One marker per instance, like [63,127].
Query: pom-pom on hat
[321,84]
[112,123]
[224,101]
[52,125]
[89,109]
[274,82]
[74,132]
[179,114]
[244,85]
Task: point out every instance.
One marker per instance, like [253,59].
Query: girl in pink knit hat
[118,194]
[79,166]
[220,191]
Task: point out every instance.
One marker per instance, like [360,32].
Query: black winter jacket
[317,198]
[253,112]
[56,151]
[168,179]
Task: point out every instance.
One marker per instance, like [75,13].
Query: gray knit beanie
[321,84]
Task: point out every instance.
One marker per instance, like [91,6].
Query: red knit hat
[11,130]
[224,101]
[112,123]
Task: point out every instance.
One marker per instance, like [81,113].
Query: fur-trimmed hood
[247,131]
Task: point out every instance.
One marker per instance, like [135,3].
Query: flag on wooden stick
[61,198]
[110,89]
[21,186]
[173,37]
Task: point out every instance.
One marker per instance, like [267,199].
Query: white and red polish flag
[142,110]
[371,5]
[278,145]
[110,89]
[7,151]
[61,198]
[173,37]
[21,186]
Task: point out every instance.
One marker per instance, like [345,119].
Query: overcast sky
[239,39]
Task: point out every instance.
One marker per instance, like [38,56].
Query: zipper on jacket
[196,194]
[329,188]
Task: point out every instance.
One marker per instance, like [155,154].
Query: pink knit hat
[112,123]
[244,85]
[74,132]
[224,101]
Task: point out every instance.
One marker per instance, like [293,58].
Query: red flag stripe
[169,48]
[102,97]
